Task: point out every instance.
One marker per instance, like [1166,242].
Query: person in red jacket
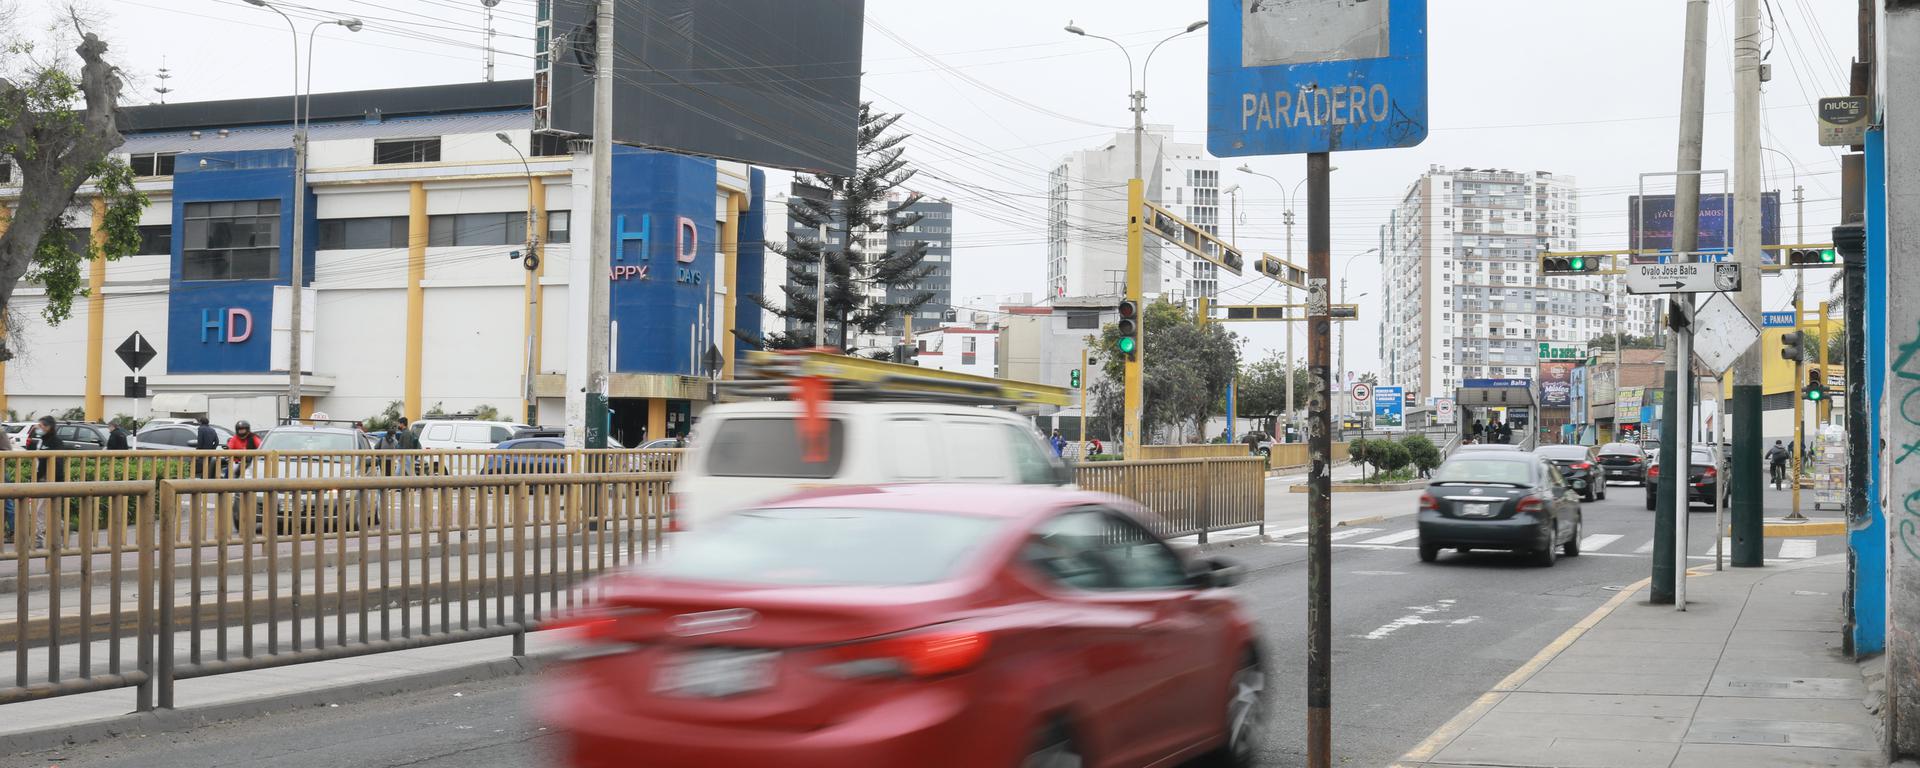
[243,438]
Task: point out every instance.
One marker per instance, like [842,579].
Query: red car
[919,626]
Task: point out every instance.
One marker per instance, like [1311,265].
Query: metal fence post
[520,494]
[1205,498]
[161,591]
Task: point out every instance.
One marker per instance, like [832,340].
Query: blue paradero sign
[1295,76]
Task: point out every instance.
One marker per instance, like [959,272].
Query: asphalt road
[1413,644]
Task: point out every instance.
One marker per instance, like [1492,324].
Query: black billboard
[768,82]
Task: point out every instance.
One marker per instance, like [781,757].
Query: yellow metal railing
[1192,497]
[88,466]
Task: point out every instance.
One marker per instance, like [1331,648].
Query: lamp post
[531,261]
[1137,97]
[1286,202]
[1346,394]
[297,279]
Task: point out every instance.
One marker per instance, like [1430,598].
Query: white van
[745,453]
[453,434]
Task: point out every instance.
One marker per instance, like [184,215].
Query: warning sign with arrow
[135,351]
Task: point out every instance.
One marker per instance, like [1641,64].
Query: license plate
[716,672]
[1476,510]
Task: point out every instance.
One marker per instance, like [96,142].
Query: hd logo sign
[686,247]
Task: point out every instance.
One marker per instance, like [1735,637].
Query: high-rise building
[1462,295]
[1087,217]
[934,227]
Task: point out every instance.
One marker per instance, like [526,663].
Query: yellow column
[537,206]
[416,297]
[1132,392]
[730,256]
[656,418]
[6,217]
[96,315]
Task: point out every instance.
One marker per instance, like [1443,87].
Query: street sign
[1389,409]
[135,352]
[1721,333]
[1443,410]
[1300,76]
[1776,320]
[1362,392]
[1682,278]
[1843,120]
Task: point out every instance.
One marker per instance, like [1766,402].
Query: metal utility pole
[1287,422]
[600,296]
[820,289]
[1748,547]
[1669,551]
[1319,471]
[489,4]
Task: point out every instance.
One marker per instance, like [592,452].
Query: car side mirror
[1215,572]
[1063,473]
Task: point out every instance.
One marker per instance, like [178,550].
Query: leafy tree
[1369,378]
[1262,388]
[1422,452]
[1359,450]
[856,205]
[57,125]
[1188,366]
[1387,456]
[387,419]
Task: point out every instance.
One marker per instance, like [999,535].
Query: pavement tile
[1787,687]
[1607,634]
[1685,684]
[1650,665]
[1635,649]
[1787,667]
[1804,710]
[1599,704]
[1748,756]
[1793,733]
[1514,721]
[1474,749]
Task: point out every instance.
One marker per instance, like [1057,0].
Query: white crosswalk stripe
[1644,549]
[1598,541]
[1348,533]
[1799,549]
[1393,538]
[1289,532]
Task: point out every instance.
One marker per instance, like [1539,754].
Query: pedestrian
[1777,463]
[206,439]
[1059,444]
[117,438]
[1097,447]
[46,437]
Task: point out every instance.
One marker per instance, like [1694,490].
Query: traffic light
[1793,346]
[1128,342]
[1803,257]
[1073,378]
[1568,265]
[1816,389]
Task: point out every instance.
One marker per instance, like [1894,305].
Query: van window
[440,432]
[911,445]
[1033,464]
[771,447]
[471,433]
[499,435]
[979,451]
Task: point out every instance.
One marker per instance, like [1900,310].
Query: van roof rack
[851,378]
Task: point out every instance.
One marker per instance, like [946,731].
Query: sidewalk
[1751,674]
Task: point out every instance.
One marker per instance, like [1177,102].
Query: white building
[1086,217]
[1462,297]
[960,348]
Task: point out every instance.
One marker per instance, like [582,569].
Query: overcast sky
[995,92]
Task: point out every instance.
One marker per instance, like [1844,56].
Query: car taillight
[1528,504]
[1633,459]
[920,654]
[1428,502]
[593,625]
[1653,472]
[1582,465]
[1711,472]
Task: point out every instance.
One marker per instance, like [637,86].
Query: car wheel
[1586,495]
[1650,502]
[1053,748]
[1544,557]
[1429,551]
[1246,716]
[1572,547]
[1603,491]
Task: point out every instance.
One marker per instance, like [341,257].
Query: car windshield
[828,547]
[1702,457]
[303,440]
[1562,452]
[1627,448]
[1492,471]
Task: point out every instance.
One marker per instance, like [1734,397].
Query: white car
[452,434]
[745,453]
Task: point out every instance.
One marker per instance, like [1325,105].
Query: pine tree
[854,206]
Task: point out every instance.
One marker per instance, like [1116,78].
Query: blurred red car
[916,626]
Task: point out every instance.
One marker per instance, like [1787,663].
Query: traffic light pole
[1130,437]
[1319,472]
[1797,453]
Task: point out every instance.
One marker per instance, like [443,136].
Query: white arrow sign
[1682,278]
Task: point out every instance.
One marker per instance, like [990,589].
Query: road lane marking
[1418,617]
[1379,573]
[1394,538]
[1352,532]
[1644,549]
[1378,547]
[1798,549]
[1290,532]
[1596,542]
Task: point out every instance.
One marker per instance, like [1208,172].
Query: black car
[1576,463]
[78,436]
[1624,462]
[1499,500]
[1703,477]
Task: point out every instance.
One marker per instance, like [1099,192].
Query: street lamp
[1341,377]
[531,261]
[1138,96]
[1286,202]
[297,280]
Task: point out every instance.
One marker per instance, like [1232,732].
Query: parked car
[935,626]
[452,434]
[315,451]
[523,465]
[174,437]
[78,436]
[1577,464]
[745,453]
[1499,500]
[1477,447]
[1703,475]
[17,432]
[1623,461]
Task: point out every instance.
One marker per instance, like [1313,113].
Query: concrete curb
[1370,520]
[1779,529]
[1366,487]
[185,718]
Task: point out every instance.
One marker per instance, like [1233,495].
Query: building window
[551,145]
[406,151]
[477,229]
[376,232]
[156,239]
[1083,320]
[237,240]
[6,173]
[152,163]
[559,226]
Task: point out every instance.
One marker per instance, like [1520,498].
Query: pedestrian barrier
[86,466]
[1192,497]
[1295,454]
[1196,451]
[197,577]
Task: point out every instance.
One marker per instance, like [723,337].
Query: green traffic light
[1126,345]
[1815,394]
[1577,263]
[1826,256]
